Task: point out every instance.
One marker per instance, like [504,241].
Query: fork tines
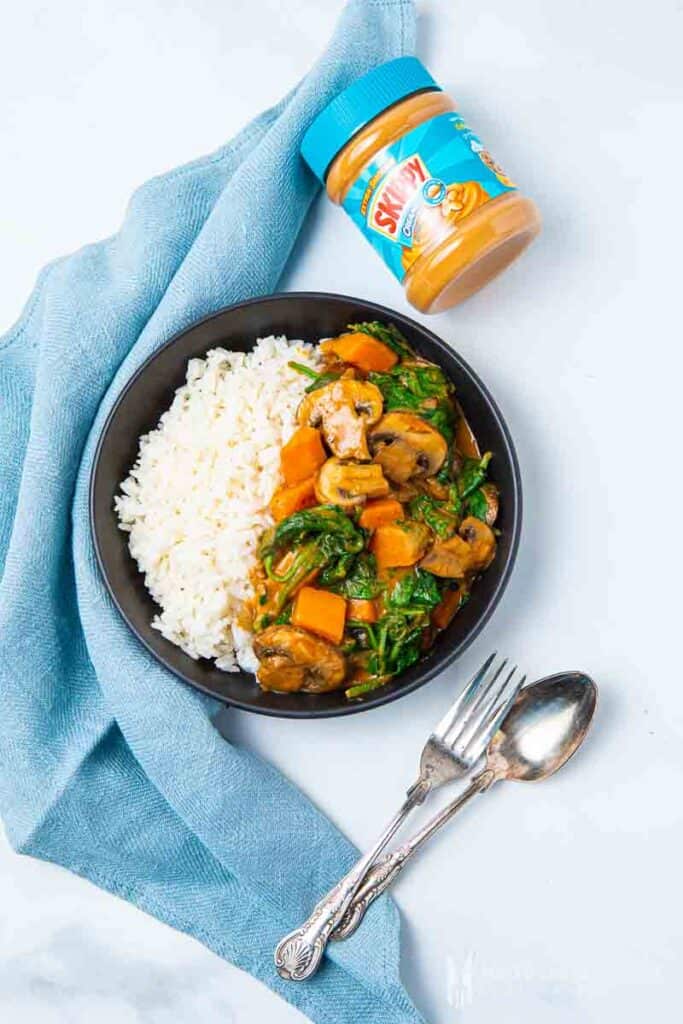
[476,715]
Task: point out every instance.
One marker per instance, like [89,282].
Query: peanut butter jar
[393,150]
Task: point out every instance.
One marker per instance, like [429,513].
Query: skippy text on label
[397,189]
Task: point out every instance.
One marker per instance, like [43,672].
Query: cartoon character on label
[444,206]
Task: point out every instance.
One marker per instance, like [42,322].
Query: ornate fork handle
[378,878]
[382,873]
[298,955]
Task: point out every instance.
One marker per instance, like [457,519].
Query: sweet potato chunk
[399,544]
[377,513]
[302,456]
[361,610]
[361,350]
[287,500]
[320,612]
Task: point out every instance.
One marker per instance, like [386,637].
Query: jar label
[415,191]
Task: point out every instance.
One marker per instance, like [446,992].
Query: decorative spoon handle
[378,878]
[298,955]
[382,873]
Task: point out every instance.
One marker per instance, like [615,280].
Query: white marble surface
[550,905]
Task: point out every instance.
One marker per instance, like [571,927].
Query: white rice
[196,501]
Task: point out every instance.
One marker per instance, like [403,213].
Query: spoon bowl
[544,727]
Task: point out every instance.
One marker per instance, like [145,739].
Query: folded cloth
[109,765]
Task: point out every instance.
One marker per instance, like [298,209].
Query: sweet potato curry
[382,523]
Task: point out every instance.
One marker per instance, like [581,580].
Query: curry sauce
[382,522]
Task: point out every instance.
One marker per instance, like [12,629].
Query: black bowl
[308,316]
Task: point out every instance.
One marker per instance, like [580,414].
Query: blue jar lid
[359,104]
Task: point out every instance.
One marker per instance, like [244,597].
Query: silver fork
[451,751]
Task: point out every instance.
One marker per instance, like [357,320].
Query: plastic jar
[393,151]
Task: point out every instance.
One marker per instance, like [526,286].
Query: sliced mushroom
[434,488]
[404,492]
[407,447]
[343,410]
[471,550]
[448,558]
[291,659]
[481,540]
[490,492]
[349,483]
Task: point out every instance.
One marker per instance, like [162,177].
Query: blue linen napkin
[109,765]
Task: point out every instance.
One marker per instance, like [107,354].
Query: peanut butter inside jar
[394,152]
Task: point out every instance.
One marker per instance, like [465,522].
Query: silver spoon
[546,724]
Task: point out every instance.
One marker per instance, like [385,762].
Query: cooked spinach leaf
[395,641]
[442,419]
[338,567]
[323,379]
[305,371]
[361,583]
[409,385]
[321,538]
[360,688]
[421,388]
[417,590]
[398,645]
[440,516]
[477,505]
[330,523]
[285,616]
[319,379]
[473,474]
[305,560]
